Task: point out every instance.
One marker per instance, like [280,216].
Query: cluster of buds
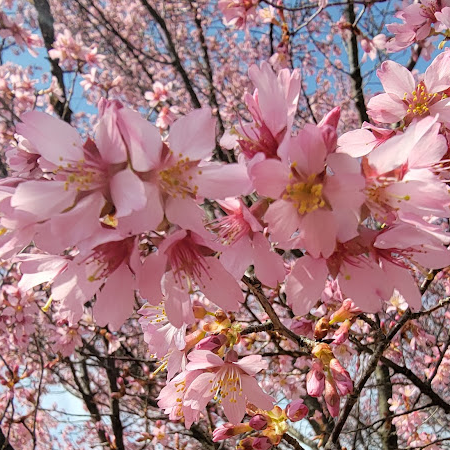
[267,427]
[223,334]
[345,315]
[329,378]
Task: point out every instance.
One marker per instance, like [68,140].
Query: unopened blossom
[233,379]
[228,430]
[258,422]
[315,380]
[405,99]
[296,410]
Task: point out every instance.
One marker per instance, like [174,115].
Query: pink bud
[296,410]
[212,343]
[348,310]
[341,377]
[332,398]
[341,334]
[262,443]
[228,430]
[315,380]
[258,422]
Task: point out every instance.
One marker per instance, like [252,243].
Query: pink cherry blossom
[405,99]
[232,378]
[312,209]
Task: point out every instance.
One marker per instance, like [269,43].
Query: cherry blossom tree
[224,224]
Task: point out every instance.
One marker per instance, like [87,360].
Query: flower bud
[228,430]
[341,377]
[323,352]
[341,334]
[331,397]
[321,329]
[296,410]
[315,380]
[262,443]
[348,310]
[199,311]
[212,343]
[246,444]
[258,422]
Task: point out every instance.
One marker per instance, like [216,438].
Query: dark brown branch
[46,21]
[256,289]
[209,69]
[266,326]
[292,442]
[172,50]
[424,387]
[116,422]
[355,70]
[88,398]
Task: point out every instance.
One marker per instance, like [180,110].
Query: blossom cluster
[136,213]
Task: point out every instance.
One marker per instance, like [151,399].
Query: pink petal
[108,136]
[270,177]
[269,267]
[255,394]
[203,359]
[306,283]
[177,302]
[143,140]
[234,411]
[271,98]
[55,139]
[115,301]
[219,181]
[386,108]
[437,76]
[199,392]
[283,220]
[151,275]
[356,143]
[147,218]
[194,135]
[404,282]
[318,233]
[127,192]
[252,364]
[396,79]
[220,287]
[42,198]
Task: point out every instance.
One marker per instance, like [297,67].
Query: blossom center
[186,261]
[306,196]
[108,257]
[228,383]
[175,180]
[419,100]
[80,175]
[230,228]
